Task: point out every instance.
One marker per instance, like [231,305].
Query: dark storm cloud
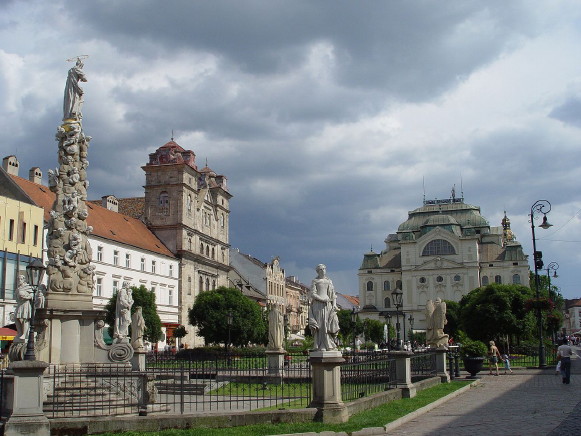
[569,112]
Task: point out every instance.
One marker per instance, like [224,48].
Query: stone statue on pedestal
[23,311]
[275,328]
[137,329]
[73,100]
[123,313]
[435,321]
[323,320]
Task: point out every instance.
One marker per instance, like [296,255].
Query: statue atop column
[23,311]
[323,320]
[275,327]
[69,253]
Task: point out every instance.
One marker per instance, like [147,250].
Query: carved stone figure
[23,309]
[73,100]
[435,321]
[123,312]
[275,328]
[323,320]
[137,329]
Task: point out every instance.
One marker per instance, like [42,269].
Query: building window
[35,235]
[457,278]
[153,266]
[516,279]
[484,280]
[387,302]
[213,253]
[208,250]
[171,271]
[497,280]
[128,260]
[207,284]
[115,286]
[115,257]
[201,284]
[439,279]
[170,297]
[386,285]
[143,264]
[100,253]
[222,220]
[422,280]
[398,285]
[99,287]
[190,244]
[438,247]
[11,230]
[213,284]
[189,285]
[201,248]
[153,289]
[369,286]
[23,234]
[189,203]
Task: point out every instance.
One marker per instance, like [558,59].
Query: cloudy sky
[328,118]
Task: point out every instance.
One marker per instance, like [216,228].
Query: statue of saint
[123,312]
[137,329]
[24,295]
[73,100]
[323,320]
[275,328]
[435,321]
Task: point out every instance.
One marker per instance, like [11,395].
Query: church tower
[188,210]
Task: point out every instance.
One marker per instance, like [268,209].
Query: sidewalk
[527,402]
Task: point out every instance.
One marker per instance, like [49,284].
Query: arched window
[457,278]
[387,302]
[398,284]
[190,244]
[207,284]
[213,253]
[516,279]
[189,203]
[484,280]
[213,284]
[163,203]
[386,285]
[497,280]
[201,248]
[201,284]
[208,250]
[189,285]
[369,286]
[438,247]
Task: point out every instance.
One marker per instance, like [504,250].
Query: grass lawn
[377,417]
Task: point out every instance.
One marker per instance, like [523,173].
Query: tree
[348,330]
[453,318]
[146,299]
[373,330]
[496,310]
[210,315]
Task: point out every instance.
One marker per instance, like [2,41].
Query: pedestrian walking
[506,361]
[493,357]
[564,353]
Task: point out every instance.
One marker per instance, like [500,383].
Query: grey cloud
[569,112]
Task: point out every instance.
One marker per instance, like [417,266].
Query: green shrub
[472,348]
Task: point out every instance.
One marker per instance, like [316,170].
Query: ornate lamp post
[388,322]
[354,323]
[229,319]
[544,207]
[553,266]
[35,272]
[397,297]
[411,320]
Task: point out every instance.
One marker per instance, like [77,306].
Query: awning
[7,334]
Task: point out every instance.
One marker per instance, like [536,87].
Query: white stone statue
[275,328]
[323,320]
[73,100]
[137,329]
[123,312]
[23,311]
[435,321]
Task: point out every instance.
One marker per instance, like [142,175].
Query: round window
[422,280]
[457,278]
[439,279]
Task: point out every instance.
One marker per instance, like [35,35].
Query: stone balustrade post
[326,370]
[403,373]
[27,397]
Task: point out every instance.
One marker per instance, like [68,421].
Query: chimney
[35,175]
[10,165]
[110,202]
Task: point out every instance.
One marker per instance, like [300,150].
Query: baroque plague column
[66,325]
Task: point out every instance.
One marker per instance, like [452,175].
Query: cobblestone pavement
[527,402]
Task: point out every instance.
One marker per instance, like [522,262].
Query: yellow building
[21,235]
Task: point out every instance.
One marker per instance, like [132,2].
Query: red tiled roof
[106,224]
[353,300]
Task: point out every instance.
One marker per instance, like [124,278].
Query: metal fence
[423,363]
[228,382]
[366,373]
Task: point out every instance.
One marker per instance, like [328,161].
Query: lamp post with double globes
[35,272]
[397,297]
[544,207]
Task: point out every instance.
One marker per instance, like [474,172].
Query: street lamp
[553,266]
[544,207]
[411,320]
[388,322]
[35,272]
[397,297]
[354,324]
[229,319]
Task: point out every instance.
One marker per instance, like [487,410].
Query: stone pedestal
[403,373]
[27,417]
[275,361]
[138,360]
[68,336]
[327,386]
[441,369]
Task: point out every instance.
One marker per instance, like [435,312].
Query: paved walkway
[527,402]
